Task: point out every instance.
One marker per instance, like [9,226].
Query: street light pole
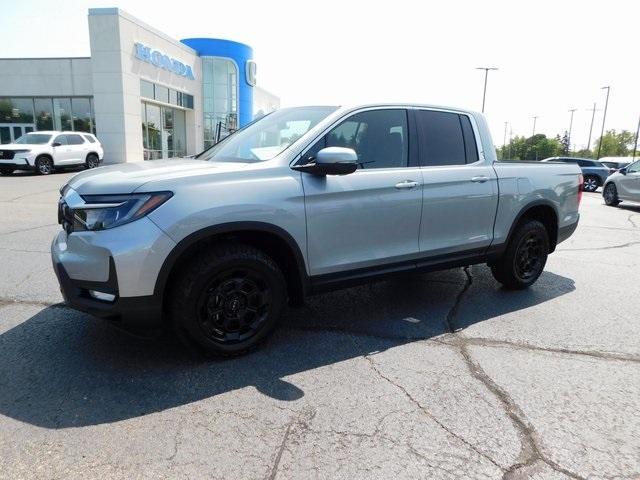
[533,132]
[593,116]
[635,145]
[486,74]
[504,139]
[604,117]
[571,127]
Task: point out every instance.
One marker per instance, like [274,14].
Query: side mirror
[331,161]
[623,170]
[56,144]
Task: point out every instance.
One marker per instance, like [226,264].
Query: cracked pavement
[443,375]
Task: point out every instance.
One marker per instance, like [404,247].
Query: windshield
[34,139]
[266,138]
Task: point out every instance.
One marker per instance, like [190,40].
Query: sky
[551,56]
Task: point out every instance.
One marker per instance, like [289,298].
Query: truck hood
[128,177]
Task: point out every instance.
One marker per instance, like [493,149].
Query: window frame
[412,157]
[474,129]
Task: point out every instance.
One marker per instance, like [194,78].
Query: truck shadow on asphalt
[61,368]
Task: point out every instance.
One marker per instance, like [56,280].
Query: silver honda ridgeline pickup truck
[302,201]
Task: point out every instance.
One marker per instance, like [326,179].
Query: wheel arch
[273,240]
[545,212]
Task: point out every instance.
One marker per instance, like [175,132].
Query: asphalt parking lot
[443,375]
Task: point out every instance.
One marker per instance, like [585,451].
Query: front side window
[379,138]
[633,168]
[61,139]
[441,138]
[266,138]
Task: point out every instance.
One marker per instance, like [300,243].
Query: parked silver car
[303,201]
[623,185]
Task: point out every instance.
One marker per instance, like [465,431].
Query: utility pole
[571,126]
[604,117]
[593,116]
[635,145]
[533,132]
[486,74]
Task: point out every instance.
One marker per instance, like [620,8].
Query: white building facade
[145,95]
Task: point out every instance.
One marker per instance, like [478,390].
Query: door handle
[407,184]
[479,179]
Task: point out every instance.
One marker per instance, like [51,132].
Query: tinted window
[74,140]
[379,137]
[584,163]
[90,138]
[61,139]
[441,139]
[470,146]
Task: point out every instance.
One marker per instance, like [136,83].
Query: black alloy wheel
[529,256]
[234,306]
[610,195]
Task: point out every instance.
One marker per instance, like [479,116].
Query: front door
[460,191]
[630,183]
[372,216]
[63,153]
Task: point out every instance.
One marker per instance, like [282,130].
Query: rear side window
[470,146]
[75,140]
[441,138]
[90,138]
[585,163]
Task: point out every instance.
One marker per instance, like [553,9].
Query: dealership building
[145,95]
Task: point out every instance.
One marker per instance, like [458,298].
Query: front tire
[92,161]
[226,300]
[6,171]
[610,195]
[44,165]
[525,257]
[590,183]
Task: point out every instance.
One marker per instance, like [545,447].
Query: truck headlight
[108,211]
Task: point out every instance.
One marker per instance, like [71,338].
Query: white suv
[45,151]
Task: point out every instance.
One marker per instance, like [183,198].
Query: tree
[615,144]
[536,147]
[565,143]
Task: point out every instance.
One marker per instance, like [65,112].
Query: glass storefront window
[162,94]
[16,110]
[146,89]
[81,110]
[44,113]
[220,97]
[62,114]
[163,132]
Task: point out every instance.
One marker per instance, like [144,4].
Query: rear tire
[92,161]
[610,195]
[590,183]
[6,171]
[225,301]
[44,165]
[525,257]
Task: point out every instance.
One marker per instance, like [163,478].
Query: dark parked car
[594,172]
[614,164]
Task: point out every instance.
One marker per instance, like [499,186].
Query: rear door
[79,147]
[460,189]
[372,216]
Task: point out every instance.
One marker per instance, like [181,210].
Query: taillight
[580,188]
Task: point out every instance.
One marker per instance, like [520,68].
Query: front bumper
[124,262]
[132,313]
[16,164]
